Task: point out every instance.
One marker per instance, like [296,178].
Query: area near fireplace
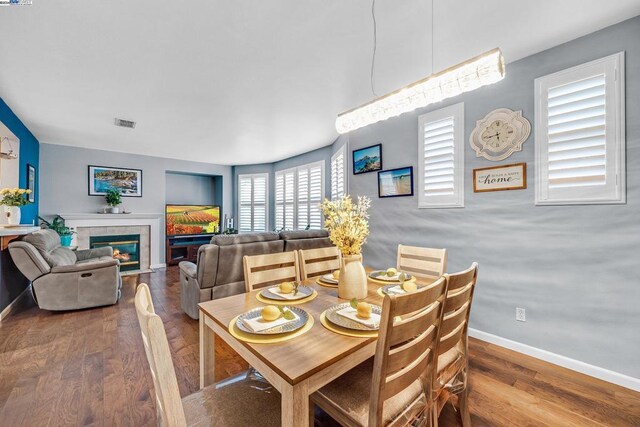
[126,249]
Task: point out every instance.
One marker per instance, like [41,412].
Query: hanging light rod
[472,74]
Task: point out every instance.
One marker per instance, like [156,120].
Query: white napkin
[397,290]
[384,276]
[258,324]
[276,290]
[351,314]
[329,278]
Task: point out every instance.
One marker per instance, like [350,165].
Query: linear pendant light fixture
[472,74]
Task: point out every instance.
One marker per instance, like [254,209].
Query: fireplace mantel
[151,220]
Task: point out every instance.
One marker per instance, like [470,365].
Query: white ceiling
[237,82]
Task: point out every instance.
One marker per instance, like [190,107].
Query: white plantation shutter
[338,174]
[441,158]
[580,134]
[252,196]
[299,192]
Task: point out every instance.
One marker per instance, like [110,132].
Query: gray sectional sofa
[219,271]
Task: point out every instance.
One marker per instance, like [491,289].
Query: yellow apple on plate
[336,274]
[391,272]
[409,286]
[270,313]
[286,287]
[363,310]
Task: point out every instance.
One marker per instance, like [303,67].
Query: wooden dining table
[297,367]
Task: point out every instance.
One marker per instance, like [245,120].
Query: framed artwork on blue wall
[104,178]
[367,159]
[31,182]
[396,182]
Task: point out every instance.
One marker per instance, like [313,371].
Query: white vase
[353,278]
[13,214]
[114,209]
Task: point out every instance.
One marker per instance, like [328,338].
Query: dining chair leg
[463,399]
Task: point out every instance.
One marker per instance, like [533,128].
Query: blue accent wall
[29,153]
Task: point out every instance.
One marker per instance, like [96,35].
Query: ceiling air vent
[125,123]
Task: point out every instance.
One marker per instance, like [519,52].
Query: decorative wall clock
[501,133]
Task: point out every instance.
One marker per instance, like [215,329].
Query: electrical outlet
[521,314]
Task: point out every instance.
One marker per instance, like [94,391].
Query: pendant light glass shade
[480,71]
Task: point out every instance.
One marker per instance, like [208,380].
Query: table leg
[295,405]
[207,353]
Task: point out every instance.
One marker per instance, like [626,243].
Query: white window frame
[455,200]
[614,191]
[295,170]
[341,152]
[252,176]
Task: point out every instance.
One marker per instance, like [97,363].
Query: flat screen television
[189,220]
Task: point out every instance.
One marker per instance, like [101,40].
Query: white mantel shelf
[17,231]
[108,216]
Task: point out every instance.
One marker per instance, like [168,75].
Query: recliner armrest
[85,266]
[94,253]
[188,268]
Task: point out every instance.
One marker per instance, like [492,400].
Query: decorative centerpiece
[114,198]
[348,226]
[12,200]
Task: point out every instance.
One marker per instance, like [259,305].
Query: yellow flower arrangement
[14,196]
[348,223]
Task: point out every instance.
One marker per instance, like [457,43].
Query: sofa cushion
[303,234]
[230,266]
[234,239]
[304,244]
[47,242]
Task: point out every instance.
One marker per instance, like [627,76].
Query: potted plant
[348,226]
[58,225]
[12,200]
[114,198]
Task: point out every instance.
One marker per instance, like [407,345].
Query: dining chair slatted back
[457,308]
[168,402]
[426,263]
[406,347]
[270,269]
[316,262]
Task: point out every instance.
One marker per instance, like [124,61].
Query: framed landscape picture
[396,182]
[104,178]
[368,159]
[31,182]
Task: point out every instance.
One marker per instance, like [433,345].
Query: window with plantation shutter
[338,174]
[580,134]
[299,192]
[441,158]
[252,202]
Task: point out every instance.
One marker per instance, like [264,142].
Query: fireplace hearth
[126,249]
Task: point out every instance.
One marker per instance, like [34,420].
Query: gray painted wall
[574,268]
[185,188]
[63,186]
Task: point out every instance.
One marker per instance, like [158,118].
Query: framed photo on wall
[368,159]
[396,182]
[104,178]
[31,182]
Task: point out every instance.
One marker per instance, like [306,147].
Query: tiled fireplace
[126,249]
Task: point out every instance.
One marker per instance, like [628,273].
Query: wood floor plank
[88,367]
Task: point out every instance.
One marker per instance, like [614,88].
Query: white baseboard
[566,362]
[156,266]
[8,309]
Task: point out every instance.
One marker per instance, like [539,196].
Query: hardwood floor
[89,368]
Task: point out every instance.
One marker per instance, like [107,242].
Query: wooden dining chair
[394,387]
[316,262]
[453,349]
[266,270]
[425,263]
[235,402]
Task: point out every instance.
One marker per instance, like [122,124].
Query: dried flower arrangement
[348,223]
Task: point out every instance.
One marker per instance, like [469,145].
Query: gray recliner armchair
[63,279]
